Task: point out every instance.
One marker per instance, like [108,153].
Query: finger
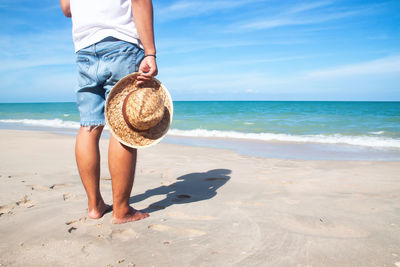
[141,80]
[153,72]
[149,74]
[146,74]
[144,77]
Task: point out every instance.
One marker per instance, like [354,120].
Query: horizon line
[54,102]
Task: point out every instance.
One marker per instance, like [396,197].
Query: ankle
[119,211]
[96,203]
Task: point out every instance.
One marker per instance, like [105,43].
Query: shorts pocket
[121,64]
[82,62]
[122,49]
[84,71]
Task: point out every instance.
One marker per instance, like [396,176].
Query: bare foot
[132,215]
[99,211]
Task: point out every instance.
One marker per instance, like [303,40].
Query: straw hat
[138,115]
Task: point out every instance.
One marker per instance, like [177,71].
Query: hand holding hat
[138,114]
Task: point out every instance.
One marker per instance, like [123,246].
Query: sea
[318,130]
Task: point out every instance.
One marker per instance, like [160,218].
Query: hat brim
[118,126]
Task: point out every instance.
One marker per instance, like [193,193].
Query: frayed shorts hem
[93,123]
[90,126]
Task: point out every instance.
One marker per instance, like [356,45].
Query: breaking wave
[362,140]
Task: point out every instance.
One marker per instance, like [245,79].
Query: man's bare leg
[88,160]
[122,164]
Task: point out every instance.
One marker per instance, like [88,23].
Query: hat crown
[143,108]
[130,106]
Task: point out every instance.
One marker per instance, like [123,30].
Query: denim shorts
[100,67]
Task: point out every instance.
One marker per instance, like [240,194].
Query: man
[111,39]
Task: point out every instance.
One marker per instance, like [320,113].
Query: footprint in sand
[5,210]
[90,227]
[123,234]
[80,221]
[189,232]
[54,186]
[67,196]
[8,209]
[38,187]
[25,202]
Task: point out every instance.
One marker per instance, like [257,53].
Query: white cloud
[387,65]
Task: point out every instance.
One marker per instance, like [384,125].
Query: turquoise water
[372,124]
[295,118]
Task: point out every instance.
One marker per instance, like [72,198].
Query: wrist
[150,55]
[150,51]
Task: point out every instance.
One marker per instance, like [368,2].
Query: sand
[208,207]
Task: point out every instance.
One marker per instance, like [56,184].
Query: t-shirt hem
[97,37]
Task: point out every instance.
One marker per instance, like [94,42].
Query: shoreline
[281,212]
[258,148]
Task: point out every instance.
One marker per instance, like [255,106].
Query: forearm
[142,11]
[65,6]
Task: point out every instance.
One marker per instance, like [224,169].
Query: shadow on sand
[188,188]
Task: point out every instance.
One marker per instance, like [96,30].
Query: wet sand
[208,207]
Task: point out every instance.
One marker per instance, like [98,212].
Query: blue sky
[223,50]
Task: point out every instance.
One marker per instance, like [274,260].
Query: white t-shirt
[94,20]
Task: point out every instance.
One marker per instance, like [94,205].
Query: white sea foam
[369,141]
[54,123]
[378,132]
